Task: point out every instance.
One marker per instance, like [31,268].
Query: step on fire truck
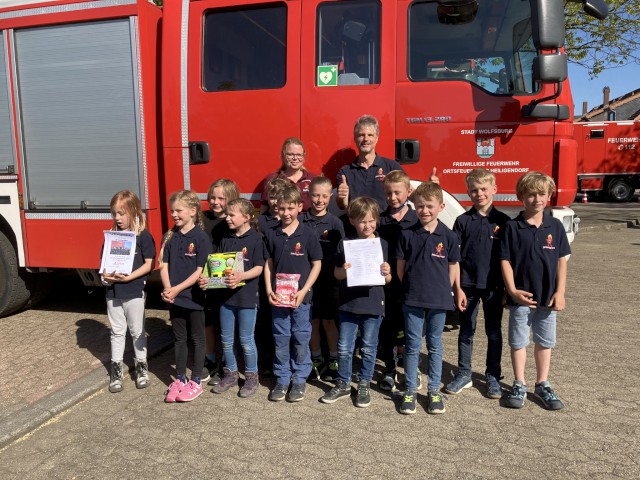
[97,96]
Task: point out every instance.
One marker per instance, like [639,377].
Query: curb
[32,416]
[610,227]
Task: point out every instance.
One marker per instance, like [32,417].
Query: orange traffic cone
[585,198]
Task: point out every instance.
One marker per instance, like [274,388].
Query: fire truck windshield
[494,50]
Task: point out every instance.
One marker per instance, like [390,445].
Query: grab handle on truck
[199,153]
[407,151]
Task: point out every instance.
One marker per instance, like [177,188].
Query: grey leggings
[123,314]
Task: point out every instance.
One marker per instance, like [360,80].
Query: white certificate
[118,253]
[365,257]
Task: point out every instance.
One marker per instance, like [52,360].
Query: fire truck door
[243,89]
[594,143]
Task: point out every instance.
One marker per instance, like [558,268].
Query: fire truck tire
[620,190]
[14,281]
[40,289]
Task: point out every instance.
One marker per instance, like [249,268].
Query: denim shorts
[541,319]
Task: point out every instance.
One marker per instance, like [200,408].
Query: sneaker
[174,390]
[229,380]
[296,394]
[190,392]
[516,396]
[213,369]
[363,398]
[250,386]
[494,390]
[388,382]
[115,377]
[317,369]
[142,374]
[436,403]
[331,373]
[549,399]
[279,392]
[342,389]
[408,406]
[459,383]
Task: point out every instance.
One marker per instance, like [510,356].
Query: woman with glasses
[293,157]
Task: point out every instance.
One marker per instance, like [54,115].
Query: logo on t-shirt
[305,185]
[494,234]
[380,176]
[297,251]
[439,251]
[245,257]
[549,245]
[191,251]
[325,235]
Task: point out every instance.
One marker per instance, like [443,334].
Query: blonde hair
[534,182]
[361,207]
[229,187]
[427,190]
[191,200]
[290,194]
[131,204]
[320,180]
[480,175]
[246,208]
[398,176]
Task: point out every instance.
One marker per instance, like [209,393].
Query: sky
[620,80]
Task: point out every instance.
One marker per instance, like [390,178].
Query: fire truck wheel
[620,190]
[14,281]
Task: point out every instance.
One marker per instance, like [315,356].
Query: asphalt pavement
[57,419]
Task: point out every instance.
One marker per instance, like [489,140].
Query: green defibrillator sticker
[327,75]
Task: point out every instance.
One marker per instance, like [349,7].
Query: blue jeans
[291,329]
[492,308]
[522,319]
[414,319]
[246,319]
[369,327]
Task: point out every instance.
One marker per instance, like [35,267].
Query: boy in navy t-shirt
[534,267]
[292,248]
[397,217]
[480,230]
[428,254]
[361,307]
[324,308]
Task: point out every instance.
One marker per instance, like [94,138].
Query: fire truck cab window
[245,48]
[491,48]
[348,43]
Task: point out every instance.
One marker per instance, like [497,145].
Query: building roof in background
[627,107]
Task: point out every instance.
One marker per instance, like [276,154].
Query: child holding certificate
[359,306]
[125,293]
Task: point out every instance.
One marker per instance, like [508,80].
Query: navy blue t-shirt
[480,238]
[293,254]
[389,229]
[534,254]
[368,181]
[216,227]
[361,300]
[266,221]
[145,249]
[329,230]
[426,280]
[185,253]
[254,254]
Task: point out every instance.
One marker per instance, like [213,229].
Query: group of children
[427,269]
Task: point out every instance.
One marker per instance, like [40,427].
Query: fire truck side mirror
[547,24]
[551,68]
[199,153]
[594,8]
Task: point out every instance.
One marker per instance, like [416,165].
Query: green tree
[603,44]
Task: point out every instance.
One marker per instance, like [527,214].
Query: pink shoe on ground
[174,390]
[190,392]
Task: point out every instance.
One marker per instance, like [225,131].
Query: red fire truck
[608,160]
[101,95]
